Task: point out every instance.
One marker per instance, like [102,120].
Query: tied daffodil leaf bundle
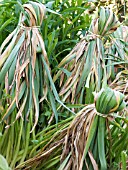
[82,141]
[106,23]
[86,63]
[88,126]
[22,73]
[25,73]
[108,100]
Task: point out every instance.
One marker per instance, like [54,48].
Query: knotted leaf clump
[80,141]
[106,23]
[89,125]
[24,72]
[108,100]
[86,68]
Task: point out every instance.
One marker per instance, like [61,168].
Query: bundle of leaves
[24,73]
[119,7]
[19,63]
[80,143]
[92,62]
[25,76]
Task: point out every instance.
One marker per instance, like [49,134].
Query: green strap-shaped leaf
[11,57]
[64,162]
[52,85]
[87,65]
[89,139]
[101,146]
